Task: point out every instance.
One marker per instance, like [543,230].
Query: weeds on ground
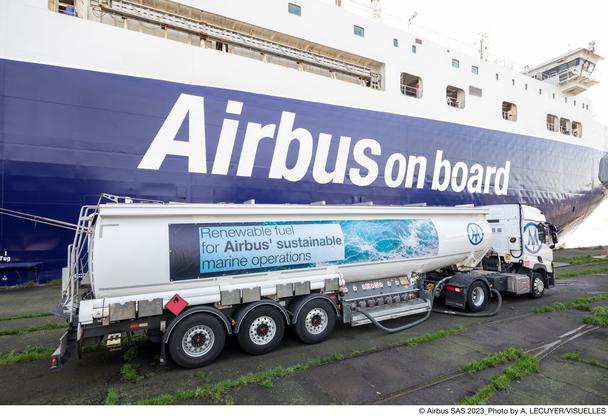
[583,272]
[25,356]
[493,360]
[599,316]
[25,316]
[35,328]
[581,303]
[128,371]
[111,397]
[574,356]
[524,364]
[576,260]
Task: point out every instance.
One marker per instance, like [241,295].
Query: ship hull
[67,135]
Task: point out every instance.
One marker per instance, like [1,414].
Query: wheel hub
[262,330]
[198,341]
[316,321]
[477,296]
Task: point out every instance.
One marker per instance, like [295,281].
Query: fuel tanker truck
[190,275]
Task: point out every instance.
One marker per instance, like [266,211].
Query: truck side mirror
[553,231]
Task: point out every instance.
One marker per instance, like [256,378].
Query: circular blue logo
[475,233]
[532,243]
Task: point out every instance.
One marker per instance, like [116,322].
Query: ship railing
[442,39]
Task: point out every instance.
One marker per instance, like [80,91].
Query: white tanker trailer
[191,274]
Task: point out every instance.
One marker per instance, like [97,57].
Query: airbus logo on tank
[532,243]
[296,153]
[475,233]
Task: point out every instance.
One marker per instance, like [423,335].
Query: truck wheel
[197,340]
[262,330]
[538,286]
[477,297]
[316,321]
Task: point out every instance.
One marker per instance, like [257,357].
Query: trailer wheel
[197,340]
[262,330]
[477,296]
[538,286]
[316,321]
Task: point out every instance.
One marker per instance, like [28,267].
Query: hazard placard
[176,304]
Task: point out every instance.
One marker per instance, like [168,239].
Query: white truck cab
[523,242]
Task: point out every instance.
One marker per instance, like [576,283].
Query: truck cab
[522,242]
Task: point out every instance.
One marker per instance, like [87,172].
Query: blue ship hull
[68,135]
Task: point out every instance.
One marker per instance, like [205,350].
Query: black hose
[406,326]
[428,314]
[475,314]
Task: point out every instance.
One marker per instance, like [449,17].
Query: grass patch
[35,328]
[25,356]
[599,316]
[524,364]
[493,360]
[30,285]
[25,316]
[128,371]
[431,336]
[111,397]
[216,392]
[579,260]
[587,271]
[574,356]
[580,303]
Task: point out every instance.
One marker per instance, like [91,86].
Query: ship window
[474,69]
[294,9]
[551,122]
[564,126]
[577,129]
[565,99]
[395,42]
[509,111]
[554,96]
[411,85]
[419,41]
[540,91]
[455,63]
[513,81]
[359,31]
[454,96]
[413,48]
[497,76]
[475,91]
[575,103]
[526,87]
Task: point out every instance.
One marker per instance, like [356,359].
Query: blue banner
[207,250]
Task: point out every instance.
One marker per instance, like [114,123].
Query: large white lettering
[296,153]
[165,143]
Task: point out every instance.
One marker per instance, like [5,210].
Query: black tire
[261,330]
[187,343]
[477,296]
[316,321]
[537,286]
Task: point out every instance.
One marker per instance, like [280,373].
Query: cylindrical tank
[144,248]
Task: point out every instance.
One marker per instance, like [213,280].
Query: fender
[297,305]
[192,311]
[243,311]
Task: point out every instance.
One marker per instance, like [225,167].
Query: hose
[475,314]
[406,326]
[428,314]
